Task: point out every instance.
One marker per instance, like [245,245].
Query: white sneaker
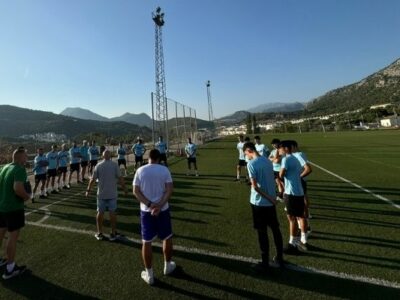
[148,279]
[169,267]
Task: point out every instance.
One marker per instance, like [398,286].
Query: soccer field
[355,241]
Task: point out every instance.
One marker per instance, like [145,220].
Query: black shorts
[138,158]
[242,163]
[163,157]
[84,163]
[74,167]
[40,177]
[121,162]
[294,205]
[276,175]
[62,170]
[191,160]
[93,163]
[51,173]
[12,220]
[304,185]
[264,216]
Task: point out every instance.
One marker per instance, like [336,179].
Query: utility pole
[210,109]
[161,115]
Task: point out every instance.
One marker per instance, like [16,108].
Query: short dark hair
[285,144]
[257,137]
[275,141]
[154,155]
[250,146]
[247,139]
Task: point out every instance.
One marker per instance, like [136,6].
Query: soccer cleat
[147,278]
[99,236]
[54,191]
[42,197]
[115,236]
[3,262]
[17,270]
[302,246]
[237,179]
[279,262]
[291,250]
[68,186]
[169,267]
[261,267]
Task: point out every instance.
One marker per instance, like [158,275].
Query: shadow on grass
[356,210]
[31,286]
[343,219]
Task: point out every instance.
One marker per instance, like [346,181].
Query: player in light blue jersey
[63,160]
[93,156]
[302,158]
[52,158]
[261,148]
[161,146]
[84,159]
[75,158]
[139,150]
[191,150]
[122,152]
[40,164]
[263,201]
[294,198]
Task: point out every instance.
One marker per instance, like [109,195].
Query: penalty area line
[357,186]
[339,275]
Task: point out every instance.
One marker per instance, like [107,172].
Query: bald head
[107,154]
[19,156]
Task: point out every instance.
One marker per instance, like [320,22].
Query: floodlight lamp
[158,9]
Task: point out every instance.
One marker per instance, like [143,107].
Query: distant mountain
[234,118]
[82,113]
[138,119]
[16,121]
[278,107]
[378,88]
[85,114]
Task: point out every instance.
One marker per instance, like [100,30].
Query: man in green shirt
[12,216]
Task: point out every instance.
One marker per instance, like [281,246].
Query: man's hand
[155,210]
[87,193]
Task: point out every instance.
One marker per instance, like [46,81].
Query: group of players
[276,176]
[81,160]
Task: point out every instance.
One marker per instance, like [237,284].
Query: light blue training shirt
[52,158]
[38,167]
[292,175]
[191,149]
[161,146]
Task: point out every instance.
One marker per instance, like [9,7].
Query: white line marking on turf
[357,186]
[48,205]
[340,275]
[47,215]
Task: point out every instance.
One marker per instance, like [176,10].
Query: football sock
[10,267]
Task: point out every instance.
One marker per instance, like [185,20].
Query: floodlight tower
[160,95]
[210,110]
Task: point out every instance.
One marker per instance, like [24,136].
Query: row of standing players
[48,166]
[276,176]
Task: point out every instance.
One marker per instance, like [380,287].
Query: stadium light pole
[161,94]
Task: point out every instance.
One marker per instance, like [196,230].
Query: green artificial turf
[353,232]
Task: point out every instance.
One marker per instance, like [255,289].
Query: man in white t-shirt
[152,186]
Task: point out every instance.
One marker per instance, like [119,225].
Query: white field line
[357,186]
[47,215]
[52,203]
[340,275]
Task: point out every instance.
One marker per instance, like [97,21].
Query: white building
[391,121]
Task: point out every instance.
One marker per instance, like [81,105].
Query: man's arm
[122,184]
[259,191]
[306,170]
[19,190]
[139,195]
[282,173]
[91,181]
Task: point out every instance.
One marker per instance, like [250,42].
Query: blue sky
[99,54]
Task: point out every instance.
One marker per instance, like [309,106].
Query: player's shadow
[31,286]
[355,210]
[200,240]
[313,282]
[181,275]
[343,219]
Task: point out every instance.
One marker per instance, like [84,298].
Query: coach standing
[153,187]
[12,216]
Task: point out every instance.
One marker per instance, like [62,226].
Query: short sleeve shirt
[239,147]
[52,158]
[190,149]
[9,174]
[260,169]
[39,168]
[151,180]
[292,175]
[108,173]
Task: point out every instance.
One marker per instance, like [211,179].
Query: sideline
[357,186]
[340,275]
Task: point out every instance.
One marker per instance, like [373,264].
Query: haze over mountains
[85,114]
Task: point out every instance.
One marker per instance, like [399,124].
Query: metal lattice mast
[161,116]
[210,110]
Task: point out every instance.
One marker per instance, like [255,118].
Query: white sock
[303,238]
[150,272]
[10,267]
[238,176]
[291,240]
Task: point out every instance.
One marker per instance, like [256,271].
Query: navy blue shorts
[153,226]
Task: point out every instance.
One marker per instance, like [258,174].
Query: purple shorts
[152,226]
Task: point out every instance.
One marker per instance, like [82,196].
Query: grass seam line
[357,186]
[339,275]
